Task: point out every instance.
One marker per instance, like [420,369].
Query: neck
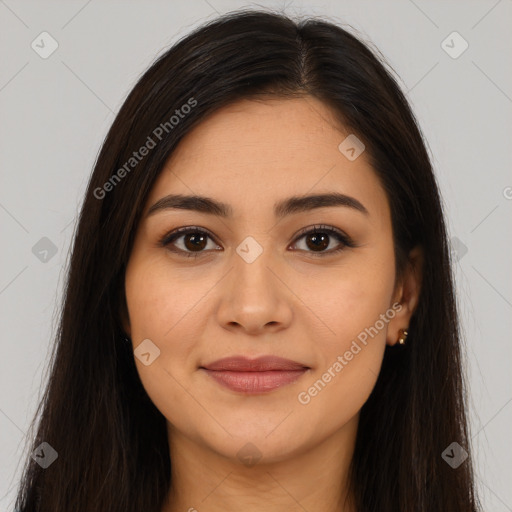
[314,479]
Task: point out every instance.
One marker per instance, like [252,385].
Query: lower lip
[255,382]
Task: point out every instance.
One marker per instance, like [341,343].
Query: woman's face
[257,284]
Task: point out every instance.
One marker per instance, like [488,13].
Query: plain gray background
[56,111]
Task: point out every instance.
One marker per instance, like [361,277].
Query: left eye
[319,238]
[195,241]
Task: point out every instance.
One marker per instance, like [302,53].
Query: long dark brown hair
[111,440]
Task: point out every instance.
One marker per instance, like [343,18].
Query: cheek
[159,300]
[166,309]
[352,298]
[355,305]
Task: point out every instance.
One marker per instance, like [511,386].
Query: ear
[406,294]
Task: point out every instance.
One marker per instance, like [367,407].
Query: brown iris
[318,241]
[195,241]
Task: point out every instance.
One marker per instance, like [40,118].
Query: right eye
[193,244]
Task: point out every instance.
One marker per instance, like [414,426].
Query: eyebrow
[292,205]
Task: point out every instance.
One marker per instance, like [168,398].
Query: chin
[251,444]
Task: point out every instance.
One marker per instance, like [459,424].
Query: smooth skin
[291,301]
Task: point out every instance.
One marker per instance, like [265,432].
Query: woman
[260,312]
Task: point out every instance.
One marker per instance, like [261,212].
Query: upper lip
[260,364]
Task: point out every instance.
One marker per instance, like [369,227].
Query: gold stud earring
[402,336]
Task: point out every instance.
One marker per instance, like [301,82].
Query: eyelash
[346,241]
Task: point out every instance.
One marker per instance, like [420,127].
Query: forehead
[253,153]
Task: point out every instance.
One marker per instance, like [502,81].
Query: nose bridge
[254,297]
[251,264]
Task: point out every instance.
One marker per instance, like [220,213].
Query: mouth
[252,376]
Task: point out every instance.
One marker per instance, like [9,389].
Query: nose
[254,298]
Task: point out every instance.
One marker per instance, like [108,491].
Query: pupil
[192,239]
[317,243]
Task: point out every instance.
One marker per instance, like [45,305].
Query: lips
[260,375]
[260,364]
